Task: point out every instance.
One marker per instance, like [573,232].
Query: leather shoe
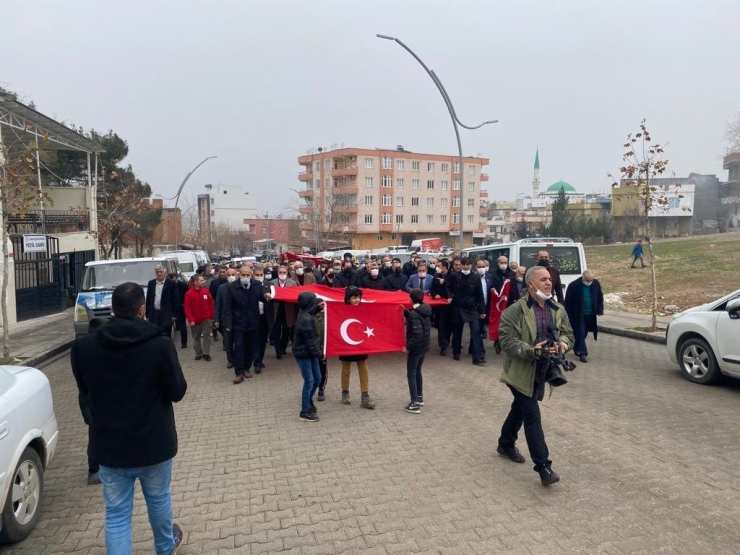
[583,358]
[456,357]
[207,358]
[198,357]
[257,370]
[548,476]
[479,362]
[247,374]
[238,379]
[512,453]
[497,348]
[443,352]
[230,365]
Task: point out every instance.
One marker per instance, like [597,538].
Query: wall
[66,198]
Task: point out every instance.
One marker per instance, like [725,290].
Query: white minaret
[536,179]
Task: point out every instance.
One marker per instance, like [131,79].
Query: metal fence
[49,221]
[39,287]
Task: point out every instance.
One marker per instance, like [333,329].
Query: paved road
[648,464]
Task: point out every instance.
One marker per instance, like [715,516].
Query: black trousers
[414,362]
[324,374]
[183,327]
[245,348]
[92,466]
[228,345]
[280,333]
[162,320]
[261,341]
[443,319]
[526,410]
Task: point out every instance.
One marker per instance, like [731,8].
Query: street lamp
[455,122]
[179,191]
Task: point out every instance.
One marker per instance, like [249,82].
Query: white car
[704,340]
[28,439]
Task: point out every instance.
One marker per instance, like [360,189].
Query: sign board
[34,243]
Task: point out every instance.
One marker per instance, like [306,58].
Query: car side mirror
[733,309]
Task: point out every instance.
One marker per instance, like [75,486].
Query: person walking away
[131,375]
[161,300]
[241,318]
[228,345]
[525,328]
[353,296]
[93,468]
[180,321]
[637,254]
[584,302]
[199,309]
[418,332]
[307,354]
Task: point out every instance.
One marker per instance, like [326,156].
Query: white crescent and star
[345,335]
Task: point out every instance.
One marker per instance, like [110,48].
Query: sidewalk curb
[631,334]
[51,353]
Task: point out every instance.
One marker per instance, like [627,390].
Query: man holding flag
[503,295]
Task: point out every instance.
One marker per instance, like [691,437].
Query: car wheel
[698,362]
[22,507]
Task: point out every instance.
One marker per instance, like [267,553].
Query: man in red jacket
[199,309]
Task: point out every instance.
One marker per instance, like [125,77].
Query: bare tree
[733,135]
[325,219]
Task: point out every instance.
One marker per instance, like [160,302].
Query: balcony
[305,176]
[344,172]
[305,210]
[50,221]
[483,194]
[307,193]
[347,190]
[484,177]
[346,209]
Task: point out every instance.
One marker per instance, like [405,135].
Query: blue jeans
[311,379]
[118,494]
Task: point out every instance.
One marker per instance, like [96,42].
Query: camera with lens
[552,363]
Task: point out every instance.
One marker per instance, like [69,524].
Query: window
[318,184]
[387,181]
[415,166]
[456,201]
[385,217]
[393,236]
[414,183]
[471,185]
[400,165]
[471,202]
[387,163]
[368,200]
[443,202]
[430,202]
[399,183]
[443,219]
[368,182]
[430,184]
[327,164]
[399,219]
[430,218]
[399,201]
[456,167]
[455,184]
[327,182]
[471,169]
[316,166]
[369,163]
[445,185]
[369,218]
[414,201]
[674,203]
[380,237]
[386,200]
[456,218]
[445,168]
[414,218]
[471,218]
[430,166]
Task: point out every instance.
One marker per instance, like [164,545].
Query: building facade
[226,206]
[671,209]
[388,197]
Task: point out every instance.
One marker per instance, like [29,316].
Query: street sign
[34,243]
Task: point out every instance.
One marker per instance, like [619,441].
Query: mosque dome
[554,189]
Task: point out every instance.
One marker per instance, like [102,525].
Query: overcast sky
[259,83]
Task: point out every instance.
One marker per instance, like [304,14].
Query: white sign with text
[34,243]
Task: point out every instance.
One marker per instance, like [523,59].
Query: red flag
[363,329]
[336,294]
[499,302]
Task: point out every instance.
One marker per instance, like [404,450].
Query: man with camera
[534,334]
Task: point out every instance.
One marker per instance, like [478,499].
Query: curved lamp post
[455,122]
[179,191]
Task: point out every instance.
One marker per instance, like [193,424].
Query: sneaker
[420,402]
[198,357]
[320,396]
[548,476]
[312,409]
[367,402]
[93,478]
[308,417]
[207,358]
[177,535]
[345,398]
[512,453]
[413,408]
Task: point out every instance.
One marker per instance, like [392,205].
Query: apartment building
[379,197]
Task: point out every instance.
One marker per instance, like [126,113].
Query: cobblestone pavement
[648,464]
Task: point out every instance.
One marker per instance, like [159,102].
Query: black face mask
[396,270]
[330,275]
[544,262]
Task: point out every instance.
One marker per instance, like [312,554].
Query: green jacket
[517,334]
[319,320]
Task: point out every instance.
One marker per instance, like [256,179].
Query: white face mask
[231,279]
[282,277]
[299,271]
[374,272]
[432,266]
[520,279]
[587,283]
[387,264]
[543,296]
[422,275]
[502,267]
[260,278]
[465,272]
[480,271]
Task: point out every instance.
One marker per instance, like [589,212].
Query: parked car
[28,439]
[703,340]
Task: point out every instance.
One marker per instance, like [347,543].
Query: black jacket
[396,282]
[343,280]
[418,329]
[241,310]
[214,285]
[441,288]
[467,296]
[574,306]
[378,283]
[182,289]
[498,282]
[131,375]
[305,343]
[169,304]
[409,268]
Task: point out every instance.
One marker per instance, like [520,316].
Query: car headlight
[81,313]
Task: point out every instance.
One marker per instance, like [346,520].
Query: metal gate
[39,286]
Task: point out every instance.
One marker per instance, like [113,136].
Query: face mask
[299,272]
[432,266]
[231,279]
[502,267]
[362,265]
[544,262]
[261,279]
[480,271]
[330,274]
[520,279]
[422,275]
[374,272]
[212,271]
[543,296]
[387,264]
[347,270]
[268,275]
[465,272]
[587,283]
[396,270]
[244,280]
[282,277]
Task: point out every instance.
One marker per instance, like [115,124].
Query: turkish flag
[499,302]
[363,329]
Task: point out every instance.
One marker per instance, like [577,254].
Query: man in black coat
[182,288]
[162,301]
[130,373]
[213,290]
[348,276]
[396,280]
[467,308]
[584,301]
[440,289]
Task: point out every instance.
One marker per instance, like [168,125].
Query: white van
[189,261]
[566,255]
